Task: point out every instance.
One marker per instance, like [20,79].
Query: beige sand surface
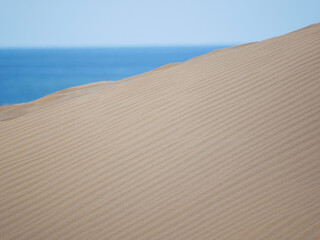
[223,146]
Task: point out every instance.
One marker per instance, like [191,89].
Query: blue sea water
[29,74]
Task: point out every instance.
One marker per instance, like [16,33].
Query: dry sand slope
[224,146]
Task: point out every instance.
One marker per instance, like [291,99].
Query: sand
[223,146]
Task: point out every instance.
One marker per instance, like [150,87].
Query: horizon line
[118,46]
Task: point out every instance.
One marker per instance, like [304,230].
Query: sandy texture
[223,146]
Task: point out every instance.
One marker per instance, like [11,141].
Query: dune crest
[223,146]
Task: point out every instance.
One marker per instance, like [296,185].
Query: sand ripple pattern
[223,146]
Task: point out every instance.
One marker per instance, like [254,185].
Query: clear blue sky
[74,23]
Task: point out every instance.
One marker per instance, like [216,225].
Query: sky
[96,23]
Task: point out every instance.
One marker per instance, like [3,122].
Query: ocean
[29,74]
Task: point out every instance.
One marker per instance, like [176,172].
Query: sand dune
[223,146]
